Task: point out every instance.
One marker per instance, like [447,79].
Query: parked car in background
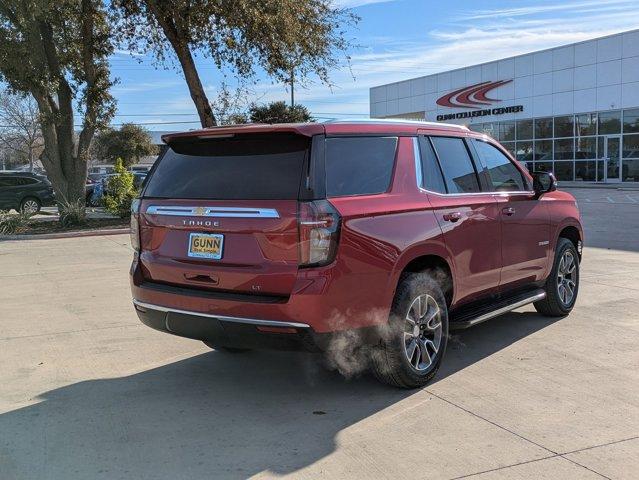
[96,190]
[286,236]
[25,192]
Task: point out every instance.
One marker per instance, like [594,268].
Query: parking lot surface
[87,392]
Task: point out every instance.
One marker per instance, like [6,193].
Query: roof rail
[383,121]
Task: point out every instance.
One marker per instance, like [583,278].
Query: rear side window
[359,165]
[503,175]
[432,179]
[249,167]
[9,182]
[459,173]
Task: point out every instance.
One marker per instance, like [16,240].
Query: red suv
[286,236]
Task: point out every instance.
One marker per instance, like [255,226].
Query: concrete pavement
[88,392]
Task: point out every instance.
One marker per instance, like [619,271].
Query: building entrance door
[612,158]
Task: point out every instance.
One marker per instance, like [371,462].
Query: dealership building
[573,109]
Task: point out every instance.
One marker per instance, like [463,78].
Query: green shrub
[120,191]
[72,213]
[11,224]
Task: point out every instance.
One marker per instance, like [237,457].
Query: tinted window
[457,166]
[9,182]
[359,165]
[27,181]
[431,174]
[503,174]
[241,167]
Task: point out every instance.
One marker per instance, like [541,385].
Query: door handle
[452,217]
[508,211]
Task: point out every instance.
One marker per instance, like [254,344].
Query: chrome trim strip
[218,212]
[418,164]
[251,321]
[487,316]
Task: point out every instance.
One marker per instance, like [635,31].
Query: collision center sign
[475,97]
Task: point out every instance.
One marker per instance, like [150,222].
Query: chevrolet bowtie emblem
[199,211]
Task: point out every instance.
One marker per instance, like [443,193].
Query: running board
[482,314]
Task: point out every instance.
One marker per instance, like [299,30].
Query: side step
[472,316]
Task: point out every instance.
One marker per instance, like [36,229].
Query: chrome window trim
[420,180]
[218,212]
[250,321]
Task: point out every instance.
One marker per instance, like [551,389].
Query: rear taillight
[135,224]
[319,233]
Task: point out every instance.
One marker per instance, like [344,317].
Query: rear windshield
[250,167]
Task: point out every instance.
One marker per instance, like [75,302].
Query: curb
[80,233]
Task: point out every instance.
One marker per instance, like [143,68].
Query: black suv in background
[25,192]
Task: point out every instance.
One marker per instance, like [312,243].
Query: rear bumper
[235,332]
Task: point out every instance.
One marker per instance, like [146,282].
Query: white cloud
[356,3]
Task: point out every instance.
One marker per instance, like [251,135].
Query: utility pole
[292,87]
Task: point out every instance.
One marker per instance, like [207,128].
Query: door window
[457,166]
[432,179]
[503,174]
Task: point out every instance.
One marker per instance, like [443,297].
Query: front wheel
[30,205]
[412,348]
[563,283]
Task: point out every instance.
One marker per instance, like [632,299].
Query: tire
[30,205]
[558,302]
[226,349]
[392,362]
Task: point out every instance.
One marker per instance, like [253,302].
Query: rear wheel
[226,349]
[30,205]
[562,284]
[412,349]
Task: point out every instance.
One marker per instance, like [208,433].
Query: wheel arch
[430,261]
[572,233]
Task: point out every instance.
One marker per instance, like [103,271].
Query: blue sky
[398,39]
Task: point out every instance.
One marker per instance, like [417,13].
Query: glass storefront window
[543,127]
[586,124]
[564,171]
[510,146]
[630,171]
[586,171]
[524,151]
[610,122]
[476,127]
[543,166]
[543,150]
[524,129]
[564,149]
[564,126]
[631,146]
[506,131]
[631,121]
[585,148]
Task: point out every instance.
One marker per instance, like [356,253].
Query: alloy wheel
[30,206]
[422,332]
[567,277]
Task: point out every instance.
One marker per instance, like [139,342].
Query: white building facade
[573,110]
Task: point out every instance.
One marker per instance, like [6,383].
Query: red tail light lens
[135,224]
[319,233]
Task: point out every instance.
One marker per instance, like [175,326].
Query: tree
[120,191]
[279,112]
[20,126]
[241,35]
[129,143]
[57,51]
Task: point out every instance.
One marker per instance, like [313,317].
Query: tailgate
[221,213]
[256,242]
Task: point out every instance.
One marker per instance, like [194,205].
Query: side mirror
[543,182]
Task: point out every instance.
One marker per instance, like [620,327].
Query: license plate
[206,245]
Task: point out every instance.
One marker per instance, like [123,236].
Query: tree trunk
[181,47]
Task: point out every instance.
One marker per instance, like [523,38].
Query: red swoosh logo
[473,96]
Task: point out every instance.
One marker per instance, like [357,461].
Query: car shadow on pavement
[214,415]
